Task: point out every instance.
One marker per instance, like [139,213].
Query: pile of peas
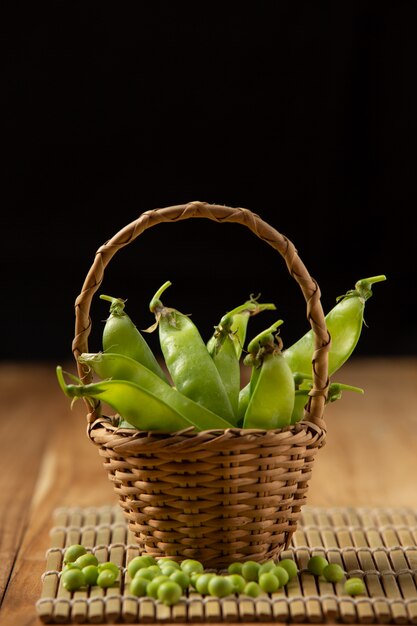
[167,580]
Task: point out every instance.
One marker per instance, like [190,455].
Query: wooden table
[47,461]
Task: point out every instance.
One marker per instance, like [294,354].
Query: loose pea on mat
[74,551]
[333,573]
[344,323]
[120,335]
[142,408]
[108,365]
[169,592]
[73,579]
[316,564]
[290,567]
[272,399]
[220,586]
[138,562]
[189,363]
[354,586]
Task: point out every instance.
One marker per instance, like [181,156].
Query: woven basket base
[379,545]
[215,496]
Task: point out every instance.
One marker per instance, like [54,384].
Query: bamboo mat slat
[378,545]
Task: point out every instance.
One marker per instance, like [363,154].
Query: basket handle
[218,213]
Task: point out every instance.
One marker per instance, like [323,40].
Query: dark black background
[304,112]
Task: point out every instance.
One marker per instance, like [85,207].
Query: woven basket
[219,495]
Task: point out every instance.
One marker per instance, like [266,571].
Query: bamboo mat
[378,545]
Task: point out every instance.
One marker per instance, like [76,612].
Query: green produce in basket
[189,363]
[272,399]
[122,336]
[144,409]
[344,323]
[225,346]
[334,393]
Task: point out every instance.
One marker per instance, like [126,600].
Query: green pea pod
[344,323]
[272,399]
[244,397]
[120,367]
[189,363]
[142,408]
[225,346]
[120,335]
[300,401]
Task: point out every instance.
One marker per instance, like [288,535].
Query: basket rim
[123,440]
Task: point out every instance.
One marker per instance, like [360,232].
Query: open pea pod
[144,409]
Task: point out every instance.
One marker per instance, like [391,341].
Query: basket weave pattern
[217,496]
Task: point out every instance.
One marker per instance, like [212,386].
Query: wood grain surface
[370,459]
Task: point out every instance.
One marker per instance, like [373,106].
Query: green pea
[192,566]
[354,586]
[237,581]
[316,565]
[250,570]
[106,578]
[138,586]
[202,581]
[138,562]
[120,335]
[189,363]
[281,574]
[344,323]
[86,559]
[73,579]
[268,582]
[252,589]
[165,561]
[266,567]
[220,586]
[108,565]
[169,592]
[180,577]
[235,568]
[72,553]
[333,573]
[144,572]
[154,584]
[155,570]
[90,574]
[290,567]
